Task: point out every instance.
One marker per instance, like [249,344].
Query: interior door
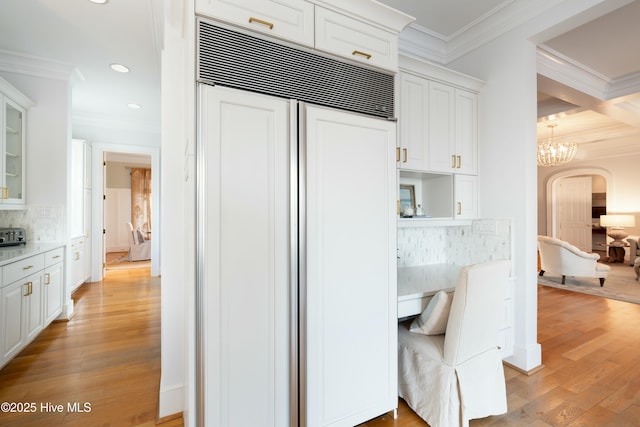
[351,296]
[243,238]
[573,204]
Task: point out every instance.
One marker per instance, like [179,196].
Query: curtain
[141,200]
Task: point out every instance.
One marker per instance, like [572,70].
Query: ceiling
[84,38]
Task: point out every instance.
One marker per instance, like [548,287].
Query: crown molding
[623,86]
[30,65]
[9,90]
[372,11]
[423,43]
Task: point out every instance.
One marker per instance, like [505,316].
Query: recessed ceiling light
[134,106]
[99,1]
[119,68]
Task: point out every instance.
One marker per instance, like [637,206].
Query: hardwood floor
[591,375]
[108,355]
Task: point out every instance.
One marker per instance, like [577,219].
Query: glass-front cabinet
[13,185]
[12,145]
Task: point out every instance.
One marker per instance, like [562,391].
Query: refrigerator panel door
[243,225]
[351,299]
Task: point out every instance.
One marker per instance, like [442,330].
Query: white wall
[177,387]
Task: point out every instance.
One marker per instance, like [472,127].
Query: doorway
[122,172]
[572,214]
[111,205]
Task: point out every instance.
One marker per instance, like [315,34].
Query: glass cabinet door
[13,188]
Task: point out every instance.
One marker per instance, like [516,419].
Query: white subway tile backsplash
[483,240]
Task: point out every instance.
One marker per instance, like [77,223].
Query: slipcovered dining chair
[139,248]
[450,378]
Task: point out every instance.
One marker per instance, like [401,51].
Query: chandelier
[554,153]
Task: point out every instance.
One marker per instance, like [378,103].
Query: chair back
[477,311]
[132,239]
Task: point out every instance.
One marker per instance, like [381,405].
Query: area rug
[621,284]
[119,261]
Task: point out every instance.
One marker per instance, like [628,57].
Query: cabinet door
[441,128]
[355,40]
[466,132]
[245,219]
[52,292]
[14,162]
[351,298]
[33,311]
[414,127]
[287,19]
[465,189]
[12,319]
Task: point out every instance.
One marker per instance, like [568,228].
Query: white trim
[30,65]
[11,92]
[371,11]
[554,180]
[98,150]
[170,401]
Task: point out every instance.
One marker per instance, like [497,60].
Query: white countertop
[11,254]
[426,280]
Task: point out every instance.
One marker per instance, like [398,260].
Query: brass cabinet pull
[397,154]
[47,280]
[459,208]
[27,267]
[29,289]
[56,256]
[260,21]
[5,192]
[77,256]
[360,53]
[459,161]
[404,152]
[453,161]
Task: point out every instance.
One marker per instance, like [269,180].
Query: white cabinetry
[79,264]
[30,298]
[350,38]
[12,145]
[52,284]
[286,19]
[352,35]
[439,135]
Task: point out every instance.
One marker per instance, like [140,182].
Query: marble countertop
[11,254]
[426,280]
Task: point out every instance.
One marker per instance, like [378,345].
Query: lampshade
[618,221]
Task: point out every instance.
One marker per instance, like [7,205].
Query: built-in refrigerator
[296,259]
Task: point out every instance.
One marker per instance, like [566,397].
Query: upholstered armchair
[560,258]
[139,248]
[634,248]
[450,378]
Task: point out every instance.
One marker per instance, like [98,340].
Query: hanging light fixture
[554,153]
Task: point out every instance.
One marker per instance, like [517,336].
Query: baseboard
[522,371]
[170,403]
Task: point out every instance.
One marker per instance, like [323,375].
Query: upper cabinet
[12,145]
[286,19]
[363,32]
[350,38]
[438,119]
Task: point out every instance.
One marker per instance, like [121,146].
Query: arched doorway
[556,197]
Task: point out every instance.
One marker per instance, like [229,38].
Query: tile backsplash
[483,240]
[41,223]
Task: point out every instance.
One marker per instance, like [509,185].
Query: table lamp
[616,225]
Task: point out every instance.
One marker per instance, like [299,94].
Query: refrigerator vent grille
[242,61]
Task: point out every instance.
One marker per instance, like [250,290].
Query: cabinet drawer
[53,257]
[356,40]
[287,19]
[19,269]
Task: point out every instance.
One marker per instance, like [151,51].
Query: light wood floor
[109,356]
